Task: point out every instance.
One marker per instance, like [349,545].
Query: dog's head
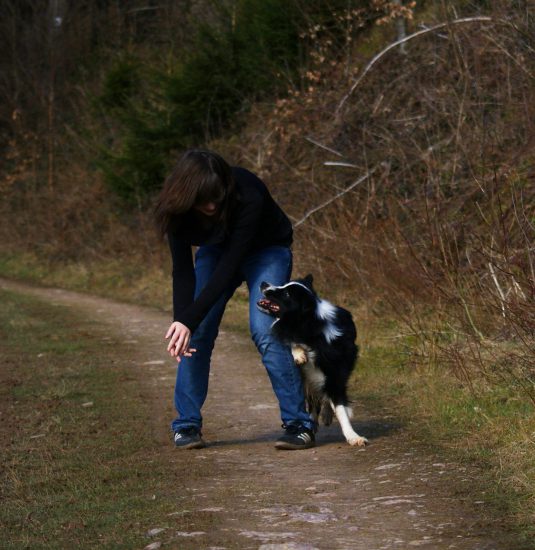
[294,298]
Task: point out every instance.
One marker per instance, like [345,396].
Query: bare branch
[402,41]
[337,196]
[346,164]
[498,287]
[318,144]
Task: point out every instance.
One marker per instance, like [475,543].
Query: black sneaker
[189,438]
[296,437]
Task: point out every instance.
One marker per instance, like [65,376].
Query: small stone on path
[191,534]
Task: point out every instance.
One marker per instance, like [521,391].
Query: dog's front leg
[299,354]
[352,437]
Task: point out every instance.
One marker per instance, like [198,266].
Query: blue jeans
[273,265]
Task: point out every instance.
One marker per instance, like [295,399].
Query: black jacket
[255,222]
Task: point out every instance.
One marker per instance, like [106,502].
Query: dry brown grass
[442,228]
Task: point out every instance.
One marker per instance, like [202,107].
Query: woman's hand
[179,344]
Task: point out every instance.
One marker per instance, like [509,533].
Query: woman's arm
[183,292]
[183,274]
[238,244]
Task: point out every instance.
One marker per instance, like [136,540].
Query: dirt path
[240,492]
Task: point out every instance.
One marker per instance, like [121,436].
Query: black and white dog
[322,337]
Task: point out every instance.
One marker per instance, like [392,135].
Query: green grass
[117,279]
[490,426]
[79,466]
[134,278]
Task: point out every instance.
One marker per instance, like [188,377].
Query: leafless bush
[443,229]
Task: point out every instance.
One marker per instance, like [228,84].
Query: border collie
[322,337]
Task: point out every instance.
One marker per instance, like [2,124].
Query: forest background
[398,136]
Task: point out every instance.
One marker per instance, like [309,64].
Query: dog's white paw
[299,355]
[357,441]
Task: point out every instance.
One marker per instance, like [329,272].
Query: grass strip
[489,426]
[78,464]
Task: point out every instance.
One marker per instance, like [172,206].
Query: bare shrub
[442,230]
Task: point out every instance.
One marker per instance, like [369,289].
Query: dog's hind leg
[313,404]
[327,412]
[352,437]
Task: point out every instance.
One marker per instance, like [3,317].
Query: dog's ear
[308,280]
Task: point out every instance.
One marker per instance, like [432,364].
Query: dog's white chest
[304,357]
[314,377]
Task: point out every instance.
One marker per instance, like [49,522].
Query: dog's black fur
[323,337]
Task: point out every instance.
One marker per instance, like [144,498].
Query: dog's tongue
[269,305]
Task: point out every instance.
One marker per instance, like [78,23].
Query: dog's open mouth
[268,306]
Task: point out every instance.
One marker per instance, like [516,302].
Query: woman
[242,235]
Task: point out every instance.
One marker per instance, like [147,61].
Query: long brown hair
[199,176]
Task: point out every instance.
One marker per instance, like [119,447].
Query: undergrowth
[489,426]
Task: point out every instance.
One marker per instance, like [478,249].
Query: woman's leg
[191,385]
[274,265]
